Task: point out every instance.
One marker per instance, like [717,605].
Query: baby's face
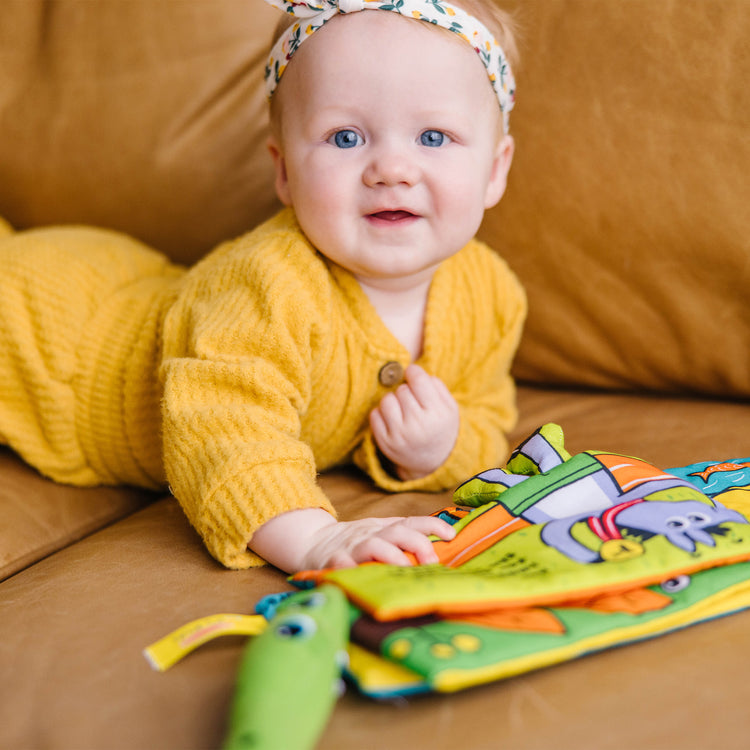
[390,145]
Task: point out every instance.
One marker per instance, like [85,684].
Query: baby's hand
[348,543]
[417,425]
[311,539]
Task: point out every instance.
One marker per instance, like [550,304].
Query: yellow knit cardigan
[238,380]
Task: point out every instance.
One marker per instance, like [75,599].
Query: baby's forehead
[363,48]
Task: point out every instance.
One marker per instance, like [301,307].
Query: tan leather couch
[628,220]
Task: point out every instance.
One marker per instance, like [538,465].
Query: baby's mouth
[392,216]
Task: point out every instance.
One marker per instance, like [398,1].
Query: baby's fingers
[412,535]
[380,549]
[392,545]
[427,390]
[430,526]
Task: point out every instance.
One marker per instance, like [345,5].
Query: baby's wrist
[418,470]
[406,474]
[284,540]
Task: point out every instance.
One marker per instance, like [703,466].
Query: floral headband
[316,13]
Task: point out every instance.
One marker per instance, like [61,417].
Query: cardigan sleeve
[480,314]
[236,372]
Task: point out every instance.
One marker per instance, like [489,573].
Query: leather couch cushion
[627,214]
[147,117]
[40,517]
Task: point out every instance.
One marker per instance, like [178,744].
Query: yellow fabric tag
[179,643]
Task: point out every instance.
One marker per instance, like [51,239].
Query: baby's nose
[391,167]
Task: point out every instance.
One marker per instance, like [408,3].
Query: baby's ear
[282,181]
[500,168]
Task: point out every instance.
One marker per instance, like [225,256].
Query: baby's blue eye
[347,139]
[433,138]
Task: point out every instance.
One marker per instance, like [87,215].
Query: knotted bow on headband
[316,13]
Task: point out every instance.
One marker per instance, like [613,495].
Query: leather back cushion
[628,211]
[139,115]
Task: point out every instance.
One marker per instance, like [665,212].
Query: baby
[363,323]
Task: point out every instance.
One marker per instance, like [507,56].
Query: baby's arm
[311,539]
[416,426]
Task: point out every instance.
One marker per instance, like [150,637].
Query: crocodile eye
[698,518]
[297,627]
[314,600]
